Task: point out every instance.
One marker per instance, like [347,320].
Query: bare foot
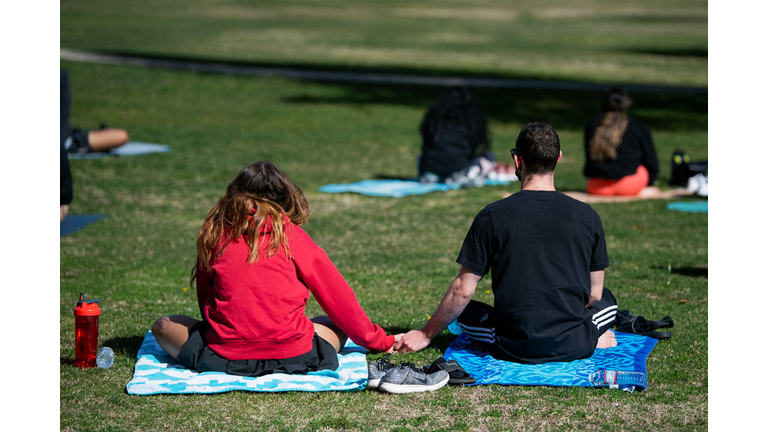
[64,210]
[607,340]
[649,192]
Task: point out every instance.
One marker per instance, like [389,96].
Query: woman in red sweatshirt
[255,269]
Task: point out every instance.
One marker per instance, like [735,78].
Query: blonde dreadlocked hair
[260,186]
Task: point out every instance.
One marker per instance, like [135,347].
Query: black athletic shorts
[195,354]
[78,142]
[480,323]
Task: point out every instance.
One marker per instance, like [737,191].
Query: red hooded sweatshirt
[256,311]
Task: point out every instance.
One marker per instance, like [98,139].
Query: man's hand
[414,340]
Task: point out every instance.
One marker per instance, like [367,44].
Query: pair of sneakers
[403,378]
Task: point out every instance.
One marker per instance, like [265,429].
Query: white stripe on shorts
[605,316]
[482,334]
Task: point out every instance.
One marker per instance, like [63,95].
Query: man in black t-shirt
[547,255]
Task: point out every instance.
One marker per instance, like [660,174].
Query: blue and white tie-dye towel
[629,356]
[157,372]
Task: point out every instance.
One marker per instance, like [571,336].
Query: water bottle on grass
[105,358]
[86,332]
[626,381]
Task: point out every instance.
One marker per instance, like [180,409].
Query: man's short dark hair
[539,146]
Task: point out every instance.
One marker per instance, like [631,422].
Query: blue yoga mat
[629,356]
[397,188]
[689,206]
[132,148]
[157,372]
[73,223]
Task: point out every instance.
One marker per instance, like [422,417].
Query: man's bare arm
[454,301]
[596,291]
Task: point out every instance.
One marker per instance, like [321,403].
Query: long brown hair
[260,186]
[608,135]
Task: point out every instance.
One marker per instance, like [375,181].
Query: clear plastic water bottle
[105,358]
[626,381]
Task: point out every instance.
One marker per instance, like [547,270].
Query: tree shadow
[673,52]
[562,108]
[693,272]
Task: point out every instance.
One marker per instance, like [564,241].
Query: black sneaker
[408,378]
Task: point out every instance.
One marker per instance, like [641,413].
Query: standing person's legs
[604,316]
[172,332]
[330,332]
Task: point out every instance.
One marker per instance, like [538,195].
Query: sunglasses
[514,152]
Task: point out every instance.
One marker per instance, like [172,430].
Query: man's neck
[544,182]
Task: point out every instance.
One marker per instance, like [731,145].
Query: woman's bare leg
[326,329]
[106,139]
[172,332]
[63,210]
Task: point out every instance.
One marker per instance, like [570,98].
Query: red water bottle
[86,332]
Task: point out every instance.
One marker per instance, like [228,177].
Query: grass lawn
[642,42]
[398,254]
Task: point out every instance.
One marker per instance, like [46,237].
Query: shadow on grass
[674,52]
[694,272]
[565,109]
[392,177]
[128,345]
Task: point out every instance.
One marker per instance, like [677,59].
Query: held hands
[414,340]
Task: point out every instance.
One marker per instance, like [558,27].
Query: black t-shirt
[540,247]
[636,149]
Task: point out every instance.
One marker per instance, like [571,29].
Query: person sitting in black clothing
[547,255]
[455,141]
[621,158]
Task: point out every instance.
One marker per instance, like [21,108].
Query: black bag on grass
[627,323]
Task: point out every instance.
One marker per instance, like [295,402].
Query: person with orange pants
[621,157]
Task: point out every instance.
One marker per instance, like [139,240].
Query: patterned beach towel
[629,356]
[157,372]
[397,188]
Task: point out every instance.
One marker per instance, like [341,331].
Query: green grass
[397,254]
[646,42]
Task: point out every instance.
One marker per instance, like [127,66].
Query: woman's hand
[397,339]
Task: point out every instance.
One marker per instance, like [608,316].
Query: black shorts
[195,354]
[78,142]
[480,323]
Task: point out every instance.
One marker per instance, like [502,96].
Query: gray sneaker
[377,370]
[408,378]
